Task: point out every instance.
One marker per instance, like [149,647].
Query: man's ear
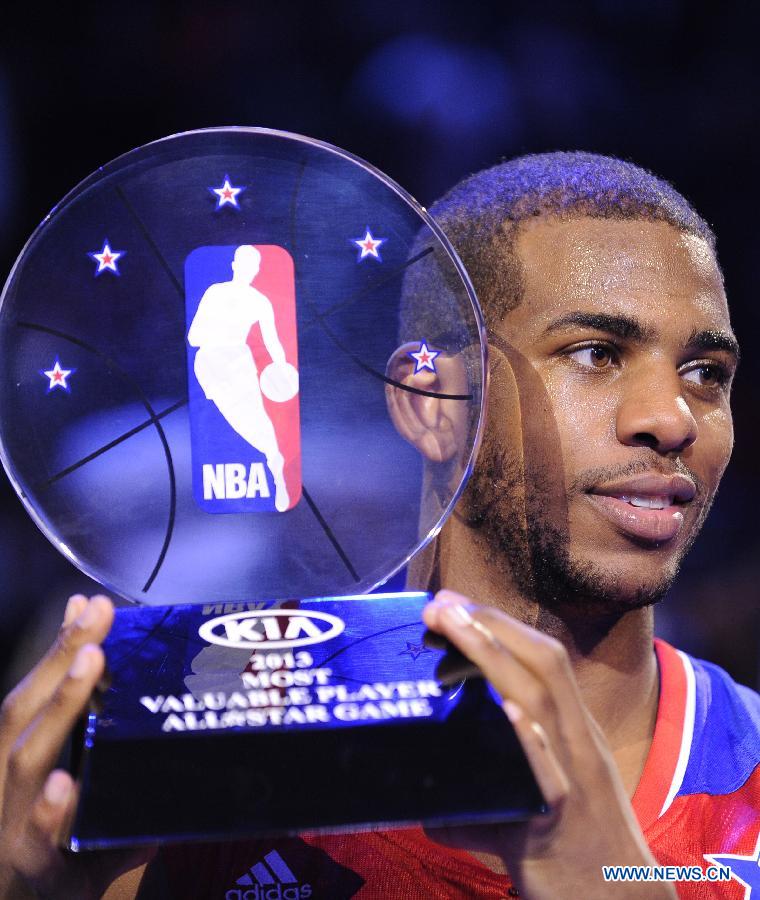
[435,425]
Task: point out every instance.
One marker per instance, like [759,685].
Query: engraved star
[227,194]
[57,376]
[414,650]
[368,246]
[106,259]
[424,357]
[744,869]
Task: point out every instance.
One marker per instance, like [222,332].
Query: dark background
[428,92]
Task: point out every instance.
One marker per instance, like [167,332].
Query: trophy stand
[240,365]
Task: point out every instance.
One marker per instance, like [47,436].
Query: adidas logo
[270,879]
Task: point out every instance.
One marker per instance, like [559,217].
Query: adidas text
[273,892]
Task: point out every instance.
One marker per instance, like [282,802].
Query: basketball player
[608,430]
[224,365]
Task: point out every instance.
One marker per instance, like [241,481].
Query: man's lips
[648,507]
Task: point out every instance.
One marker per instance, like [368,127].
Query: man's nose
[653,413]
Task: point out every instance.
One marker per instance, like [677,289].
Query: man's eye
[595,356]
[707,375]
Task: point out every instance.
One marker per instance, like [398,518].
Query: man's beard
[526,542]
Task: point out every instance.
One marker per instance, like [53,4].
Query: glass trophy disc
[220,357]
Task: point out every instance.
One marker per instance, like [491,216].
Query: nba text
[231,481]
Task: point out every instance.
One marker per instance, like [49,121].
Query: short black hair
[482,214]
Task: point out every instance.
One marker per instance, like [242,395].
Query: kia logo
[271,628]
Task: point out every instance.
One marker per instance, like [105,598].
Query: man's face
[622,361]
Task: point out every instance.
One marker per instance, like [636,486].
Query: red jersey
[698,804]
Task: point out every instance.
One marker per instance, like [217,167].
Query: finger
[506,673]
[532,647]
[35,836]
[547,769]
[44,863]
[85,622]
[51,810]
[90,626]
[38,747]
[553,784]
[74,608]
[543,655]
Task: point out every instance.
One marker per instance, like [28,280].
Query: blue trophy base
[249,719]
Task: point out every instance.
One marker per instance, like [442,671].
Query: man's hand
[35,802]
[591,822]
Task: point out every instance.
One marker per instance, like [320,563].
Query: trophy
[243,385]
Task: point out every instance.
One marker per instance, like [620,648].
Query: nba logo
[242,355]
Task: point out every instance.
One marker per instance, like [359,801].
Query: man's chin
[605,597]
[570,586]
[573,584]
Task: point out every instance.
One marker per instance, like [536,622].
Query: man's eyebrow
[623,327]
[629,328]
[714,339]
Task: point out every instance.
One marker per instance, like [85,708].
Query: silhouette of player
[224,364]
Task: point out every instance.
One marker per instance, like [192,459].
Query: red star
[424,358]
[57,376]
[368,246]
[106,259]
[227,194]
